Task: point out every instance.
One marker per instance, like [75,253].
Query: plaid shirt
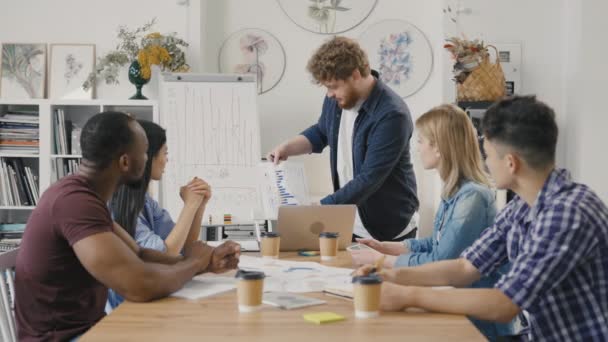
[559,254]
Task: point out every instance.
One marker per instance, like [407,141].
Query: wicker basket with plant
[476,77]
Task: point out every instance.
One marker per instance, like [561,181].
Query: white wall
[539,27]
[562,60]
[563,63]
[296,102]
[586,76]
[96,22]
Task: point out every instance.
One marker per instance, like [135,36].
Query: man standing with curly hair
[368,129]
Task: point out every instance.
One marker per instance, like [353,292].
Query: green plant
[147,48]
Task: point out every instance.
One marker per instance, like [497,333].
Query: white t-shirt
[345,164]
[345,157]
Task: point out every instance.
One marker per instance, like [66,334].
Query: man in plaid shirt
[554,233]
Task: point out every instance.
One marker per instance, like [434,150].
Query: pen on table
[377,266]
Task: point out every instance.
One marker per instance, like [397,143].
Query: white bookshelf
[55,156]
[19,155]
[77,111]
[23,207]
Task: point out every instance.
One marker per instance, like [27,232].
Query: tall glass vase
[136,78]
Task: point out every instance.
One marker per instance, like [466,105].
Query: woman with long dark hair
[144,219]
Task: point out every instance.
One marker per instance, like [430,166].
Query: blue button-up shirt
[383,185]
[153,226]
[559,254]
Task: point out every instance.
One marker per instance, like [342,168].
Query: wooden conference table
[217,319]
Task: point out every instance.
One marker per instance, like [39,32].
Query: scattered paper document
[283,184]
[290,301]
[294,276]
[203,286]
[344,288]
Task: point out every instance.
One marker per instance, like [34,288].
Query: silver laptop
[299,226]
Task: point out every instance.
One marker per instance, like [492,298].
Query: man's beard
[349,101]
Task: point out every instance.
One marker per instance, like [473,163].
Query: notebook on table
[290,301]
[346,290]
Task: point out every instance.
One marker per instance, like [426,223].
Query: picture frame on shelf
[23,71]
[69,67]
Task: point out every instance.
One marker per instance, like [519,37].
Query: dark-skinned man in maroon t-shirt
[72,251]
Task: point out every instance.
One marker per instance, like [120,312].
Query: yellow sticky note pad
[323,317]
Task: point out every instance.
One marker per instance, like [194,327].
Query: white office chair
[7,296]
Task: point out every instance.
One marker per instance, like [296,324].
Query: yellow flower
[152,55]
[144,65]
[154,35]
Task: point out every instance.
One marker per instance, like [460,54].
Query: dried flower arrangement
[477,78]
[147,48]
[468,55]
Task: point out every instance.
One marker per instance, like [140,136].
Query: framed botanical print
[23,71]
[254,51]
[327,16]
[401,53]
[70,65]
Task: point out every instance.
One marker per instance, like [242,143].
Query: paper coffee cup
[270,245]
[250,288]
[367,296]
[328,245]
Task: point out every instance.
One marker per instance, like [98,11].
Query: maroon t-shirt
[56,298]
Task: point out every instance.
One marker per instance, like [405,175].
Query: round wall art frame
[327,16]
[401,53]
[254,51]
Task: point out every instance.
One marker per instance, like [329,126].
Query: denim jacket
[459,221]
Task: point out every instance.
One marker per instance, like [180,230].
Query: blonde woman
[447,141]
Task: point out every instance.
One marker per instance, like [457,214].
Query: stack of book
[7,246]
[62,131]
[18,184]
[10,236]
[11,232]
[64,167]
[19,132]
